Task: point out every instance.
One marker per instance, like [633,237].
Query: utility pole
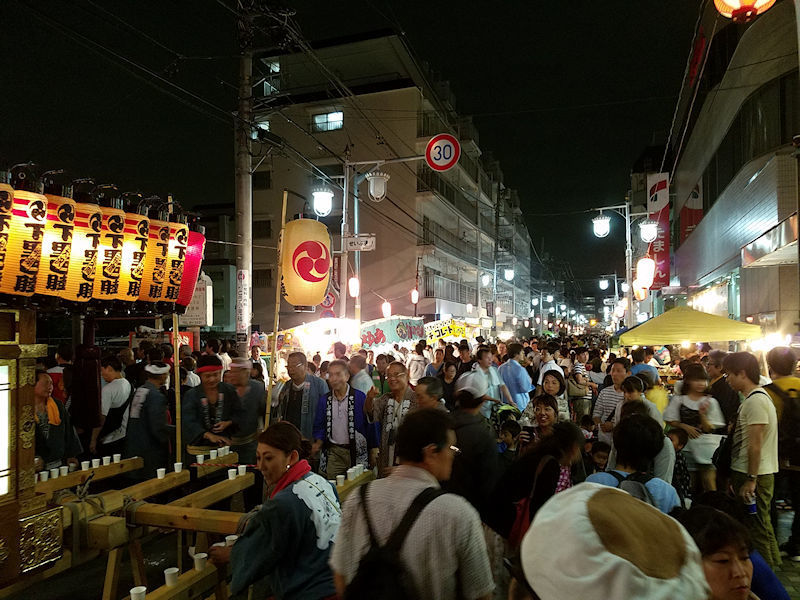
[496,250]
[244,187]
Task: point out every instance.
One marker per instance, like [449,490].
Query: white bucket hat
[595,542]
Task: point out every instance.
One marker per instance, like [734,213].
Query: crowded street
[482,302]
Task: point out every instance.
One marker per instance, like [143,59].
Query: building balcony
[430,181]
[438,286]
[443,239]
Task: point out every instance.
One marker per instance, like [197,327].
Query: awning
[778,246]
[683,324]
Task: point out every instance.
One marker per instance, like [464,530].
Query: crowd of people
[520,469]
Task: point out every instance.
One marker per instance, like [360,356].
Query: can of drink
[750,503]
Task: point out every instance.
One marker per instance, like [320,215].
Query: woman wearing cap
[290,538]
[208,410]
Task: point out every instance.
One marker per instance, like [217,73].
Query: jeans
[759,524]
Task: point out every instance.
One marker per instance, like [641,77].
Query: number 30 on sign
[442,152]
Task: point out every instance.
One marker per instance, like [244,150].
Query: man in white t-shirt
[115,393]
[496,390]
[550,354]
[754,455]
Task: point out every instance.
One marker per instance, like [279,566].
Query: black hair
[420,429]
[511,426]
[155,355]
[782,360]
[513,349]
[555,374]
[638,355]
[587,420]
[566,435]
[620,361]
[381,357]
[647,380]
[311,366]
[553,347]
[208,360]
[712,529]
[65,352]
[433,385]
[465,399]
[113,362]
[301,356]
[183,373]
[694,372]
[546,400]
[633,407]
[637,438]
[188,363]
[167,349]
[213,343]
[632,384]
[683,437]
[481,352]
[599,446]
[285,436]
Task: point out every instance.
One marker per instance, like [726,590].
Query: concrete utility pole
[244,189]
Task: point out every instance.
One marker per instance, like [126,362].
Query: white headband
[154,370]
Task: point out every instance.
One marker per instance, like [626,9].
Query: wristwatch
[752,477]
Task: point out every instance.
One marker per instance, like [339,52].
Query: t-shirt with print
[604,409]
[115,394]
[757,409]
[580,369]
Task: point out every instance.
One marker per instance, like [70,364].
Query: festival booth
[448,330]
[682,324]
[87,256]
[381,335]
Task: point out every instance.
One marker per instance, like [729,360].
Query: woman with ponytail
[290,538]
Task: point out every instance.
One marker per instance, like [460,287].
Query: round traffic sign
[442,152]
[327,314]
[328,301]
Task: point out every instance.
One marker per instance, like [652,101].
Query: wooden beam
[349,486]
[215,493]
[137,563]
[66,562]
[212,465]
[107,532]
[191,584]
[154,487]
[179,517]
[111,582]
[79,477]
[112,500]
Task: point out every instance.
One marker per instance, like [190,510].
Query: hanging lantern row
[90,250]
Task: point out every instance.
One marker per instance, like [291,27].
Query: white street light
[603,284]
[563,307]
[572,312]
[538,320]
[323,200]
[386,309]
[549,297]
[508,274]
[486,279]
[645,271]
[624,287]
[353,286]
[535,302]
[601,225]
[648,230]
[377,185]
[514,321]
[497,310]
[527,323]
[469,308]
[552,309]
[414,296]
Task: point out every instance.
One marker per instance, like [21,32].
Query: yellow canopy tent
[682,324]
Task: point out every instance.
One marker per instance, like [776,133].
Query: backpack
[789,425]
[114,417]
[381,573]
[634,484]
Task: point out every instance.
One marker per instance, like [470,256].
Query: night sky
[565,94]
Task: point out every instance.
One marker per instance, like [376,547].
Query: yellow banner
[445,329]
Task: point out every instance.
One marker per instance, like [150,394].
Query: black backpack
[634,484]
[789,426]
[381,573]
[114,417]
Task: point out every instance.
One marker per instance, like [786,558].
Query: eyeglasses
[395,375]
[456,450]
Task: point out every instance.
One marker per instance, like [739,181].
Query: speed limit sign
[442,152]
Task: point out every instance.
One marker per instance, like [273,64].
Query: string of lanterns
[74,242]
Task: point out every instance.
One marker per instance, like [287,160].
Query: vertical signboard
[242,306]
[692,211]
[658,210]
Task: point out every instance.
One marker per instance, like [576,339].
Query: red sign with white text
[658,210]
[692,212]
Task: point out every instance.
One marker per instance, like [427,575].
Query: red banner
[658,210]
[692,212]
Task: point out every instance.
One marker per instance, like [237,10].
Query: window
[327,121]
[262,278]
[262,180]
[261,124]
[262,229]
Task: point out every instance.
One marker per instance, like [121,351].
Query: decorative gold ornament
[27,426]
[32,350]
[27,375]
[27,478]
[4,551]
[35,504]
[40,539]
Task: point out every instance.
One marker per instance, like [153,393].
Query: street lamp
[353,287]
[549,298]
[514,321]
[601,225]
[563,307]
[603,284]
[414,296]
[486,279]
[323,200]
[497,310]
[742,11]
[386,309]
[535,302]
[648,230]
[508,274]
[625,287]
[377,185]
[469,308]
[645,271]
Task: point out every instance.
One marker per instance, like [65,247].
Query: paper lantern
[191,267]
[155,262]
[26,234]
[109,254]
[57,246]
[646,271]
[639,290]
[6,206]
[134,250]
[305,261]
[83,257]
[742,11]
[176,256]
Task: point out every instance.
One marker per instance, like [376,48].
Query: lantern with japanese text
[155,261]
[112,236]
[134,251]
[6,207]
[191,267]
[85,243]
[26,234]
[305,261]
[58,235]
[742,11]
[176,256]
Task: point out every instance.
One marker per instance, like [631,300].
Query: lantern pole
[278,276]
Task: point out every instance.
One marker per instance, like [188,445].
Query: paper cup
[171,576]
[85,465]
[200,458]
[200,560]
[44,475]
[138,592]
[161,473]
[54,473]
[72,467]
[339,480]
[106,461]
[35,478]
[218,545]
[214,453]
[95,464]
[231,473]
[242,469]
[178,467]
[63,470]
[230,540]
[117,458]
[221,451]
[351,474]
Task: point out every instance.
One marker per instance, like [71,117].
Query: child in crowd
[588,428]
[596,459]
[681,480]
[509,436]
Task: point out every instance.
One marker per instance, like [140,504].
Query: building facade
[459,236]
